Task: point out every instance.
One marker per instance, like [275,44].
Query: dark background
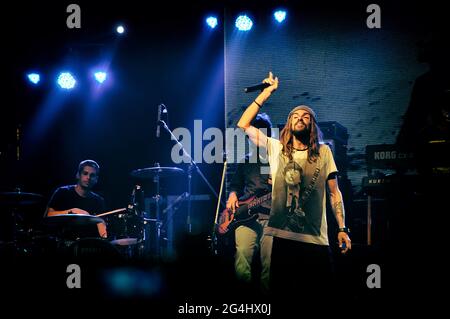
[325,57]
[166,56]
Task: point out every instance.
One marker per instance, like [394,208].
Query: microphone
[158,127]
[260,86]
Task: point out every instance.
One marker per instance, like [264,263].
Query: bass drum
[93,250]
[125,225]
[126,233]
[129,248]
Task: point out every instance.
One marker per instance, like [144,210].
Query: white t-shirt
[312,227]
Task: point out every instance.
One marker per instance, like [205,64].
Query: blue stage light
[243,23]
[280,15]
[34,78]
[66,80]
[211,22]
[100,76]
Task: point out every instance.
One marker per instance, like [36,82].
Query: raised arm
[256,135]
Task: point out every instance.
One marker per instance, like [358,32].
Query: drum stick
[111,212]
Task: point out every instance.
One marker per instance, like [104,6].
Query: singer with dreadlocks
[301,167]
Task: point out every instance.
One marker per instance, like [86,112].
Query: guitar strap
[312,183]
[295,201]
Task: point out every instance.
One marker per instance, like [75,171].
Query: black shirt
[66,197]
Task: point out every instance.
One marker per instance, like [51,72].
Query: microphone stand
[192,164]
[189,224]
[158,213]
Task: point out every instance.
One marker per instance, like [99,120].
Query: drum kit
[12,206]
[133,232]
[140,233]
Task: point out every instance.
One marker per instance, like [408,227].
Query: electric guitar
[242,215]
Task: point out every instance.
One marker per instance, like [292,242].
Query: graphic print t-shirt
[312,226]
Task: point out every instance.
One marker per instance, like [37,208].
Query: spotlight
[243,23]
[66,80]
[120,29]
[211,22]
[100,76]
[34,78]
[280,15]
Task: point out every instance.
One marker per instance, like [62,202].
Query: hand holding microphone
[269,82]
[260,86]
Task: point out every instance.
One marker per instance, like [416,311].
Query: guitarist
[252,179]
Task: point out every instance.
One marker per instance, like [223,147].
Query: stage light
[280,15]
[243,23]
[34,78]
[120,29]
[100,76]
[211,22]
[66,80]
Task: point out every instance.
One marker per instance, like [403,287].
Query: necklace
[297,149]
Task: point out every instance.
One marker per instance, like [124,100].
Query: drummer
[79,198]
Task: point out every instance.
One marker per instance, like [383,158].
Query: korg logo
[385,155]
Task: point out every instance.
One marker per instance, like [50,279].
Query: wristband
[260,106]
[344,230]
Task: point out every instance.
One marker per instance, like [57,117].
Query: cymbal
[19,198]
[71,220]
[150,172]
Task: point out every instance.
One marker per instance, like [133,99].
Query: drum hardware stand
[157,220]
[188,220]
[192,164]
[173,206]
[144,235]
[134,206]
